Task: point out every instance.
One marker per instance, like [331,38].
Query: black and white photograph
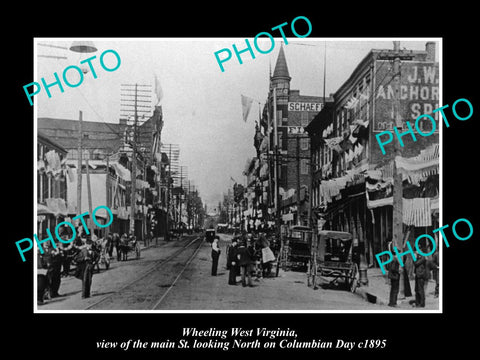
[207,181]
[270,181]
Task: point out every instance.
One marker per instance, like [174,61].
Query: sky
[201,104]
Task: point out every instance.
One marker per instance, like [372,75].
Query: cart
[104,259]
[209,235]
[331,257]
[294,250]
[128,244]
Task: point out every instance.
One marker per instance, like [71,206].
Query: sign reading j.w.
[418,93]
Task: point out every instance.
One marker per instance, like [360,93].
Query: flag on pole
[158,90]
[246,106]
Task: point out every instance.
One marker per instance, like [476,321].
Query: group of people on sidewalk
[247,256]
[84,251]
[422,268]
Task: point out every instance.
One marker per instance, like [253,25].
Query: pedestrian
[245,260]
[109,245]
[267,256]
[66,250]
[232,262]
[394,276]
[85,260]
[435,269]
[215,255]
[54,272]
[420,277]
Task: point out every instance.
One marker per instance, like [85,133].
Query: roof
[47,141]
[281,68]
[321,120]
[96,134]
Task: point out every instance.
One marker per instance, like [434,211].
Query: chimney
[430,49]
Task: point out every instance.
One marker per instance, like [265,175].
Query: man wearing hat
[245,260]
[232,262]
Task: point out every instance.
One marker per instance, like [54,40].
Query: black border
[64,335]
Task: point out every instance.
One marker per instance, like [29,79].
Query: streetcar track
[150,270]
[178,277]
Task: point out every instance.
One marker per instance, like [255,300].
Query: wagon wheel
[354,278]
[137,250]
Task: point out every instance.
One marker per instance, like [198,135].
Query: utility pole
[145,109]
[397,213]
[134,169]
[167,220]
[298,179]
[79,164]
[89,193]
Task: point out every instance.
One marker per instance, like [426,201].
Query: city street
[159,280]
[308,174]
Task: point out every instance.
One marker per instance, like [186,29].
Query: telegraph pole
[79,164]
[397,230]
[133,141]
[134,169]
[397,213]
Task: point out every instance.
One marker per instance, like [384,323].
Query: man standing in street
[245,260]
[394,276]
[215,255]
[55,260]
[232,263]
[420,277]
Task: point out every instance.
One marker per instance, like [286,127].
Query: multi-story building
[52,178]
[107,149]
[353,180]
[292,112]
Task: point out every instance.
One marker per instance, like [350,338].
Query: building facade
[292,112]
[107,148]
[352,183]
[52,179]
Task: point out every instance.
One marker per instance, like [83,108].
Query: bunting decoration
[334,143]
[418,168]
[351,103]
[158,91]
[246,106]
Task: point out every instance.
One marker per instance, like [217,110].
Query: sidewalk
[378,292]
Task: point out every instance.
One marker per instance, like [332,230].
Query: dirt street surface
[198,290]
[174,277]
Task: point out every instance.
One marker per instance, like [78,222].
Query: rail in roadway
[148,290]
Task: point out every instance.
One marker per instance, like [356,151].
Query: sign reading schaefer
[58,236]
[304,106]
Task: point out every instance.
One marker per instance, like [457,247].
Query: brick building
[352,182]
[52,177]
[106,146]
[294,111]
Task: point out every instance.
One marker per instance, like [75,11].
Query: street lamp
[82,48]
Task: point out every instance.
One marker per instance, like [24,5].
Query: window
[303,166]
[279,117]
[304,143]
[304,119]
